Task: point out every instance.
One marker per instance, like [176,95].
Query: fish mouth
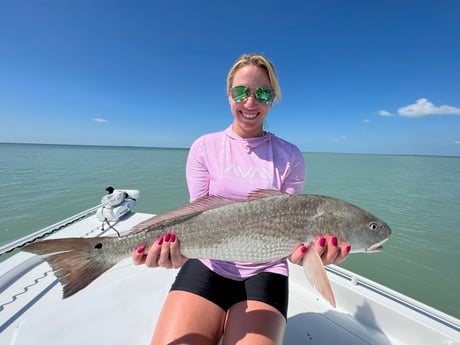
[378,247]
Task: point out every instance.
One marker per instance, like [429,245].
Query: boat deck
[122,305]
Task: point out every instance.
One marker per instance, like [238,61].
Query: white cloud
[424,108]
[343,137]
[366,121]
[384,113]
[457,142]
[98,119]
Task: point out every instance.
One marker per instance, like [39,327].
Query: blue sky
[356,76]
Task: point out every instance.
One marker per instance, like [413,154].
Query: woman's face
[249,114]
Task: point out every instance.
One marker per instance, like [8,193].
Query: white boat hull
[122,305]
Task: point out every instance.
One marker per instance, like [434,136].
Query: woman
[239,302]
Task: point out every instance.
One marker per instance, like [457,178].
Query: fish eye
[373,226]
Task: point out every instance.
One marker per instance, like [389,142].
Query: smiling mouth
[249,116]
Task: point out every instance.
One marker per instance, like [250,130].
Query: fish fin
[264,193]
[200,205]
[316,275]
[72,261]
[196,207]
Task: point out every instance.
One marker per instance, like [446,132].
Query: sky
[356,76]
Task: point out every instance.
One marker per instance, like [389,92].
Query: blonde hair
[257,60]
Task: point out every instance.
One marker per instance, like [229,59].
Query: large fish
[268,226]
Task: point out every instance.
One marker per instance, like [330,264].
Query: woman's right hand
[328,249]
[163,253]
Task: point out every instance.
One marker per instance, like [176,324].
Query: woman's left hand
[164,252]
[328,249]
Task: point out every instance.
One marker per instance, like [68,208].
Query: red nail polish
[334,241]
[322,241]
[140,249]
[303,249]
[167,237]
[173,238]
[160,241]
[348,248]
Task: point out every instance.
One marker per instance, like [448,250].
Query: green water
[418,196]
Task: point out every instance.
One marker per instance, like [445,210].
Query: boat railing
[19,243]
[388,294]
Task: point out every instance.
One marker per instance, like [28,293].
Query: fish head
[354,225]
[366,233]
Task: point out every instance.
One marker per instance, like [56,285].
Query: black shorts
[270,288]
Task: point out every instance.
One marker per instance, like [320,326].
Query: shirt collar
[250,143]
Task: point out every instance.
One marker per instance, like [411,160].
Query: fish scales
[268,226]
[249,231]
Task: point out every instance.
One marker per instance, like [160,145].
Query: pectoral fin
[316,275]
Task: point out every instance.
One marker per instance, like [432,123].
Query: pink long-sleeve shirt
[225,164]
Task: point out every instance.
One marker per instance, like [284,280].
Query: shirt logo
[249,173]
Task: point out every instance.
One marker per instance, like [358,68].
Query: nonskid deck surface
[122,305]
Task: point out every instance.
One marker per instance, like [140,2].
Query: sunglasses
[263,94]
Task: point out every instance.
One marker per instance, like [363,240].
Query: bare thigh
[189,319]
[255,323]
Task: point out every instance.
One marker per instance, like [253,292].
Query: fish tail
[317,276]
[73,261]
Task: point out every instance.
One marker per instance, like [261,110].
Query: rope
[110,226]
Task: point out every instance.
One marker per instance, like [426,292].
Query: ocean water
[418,196]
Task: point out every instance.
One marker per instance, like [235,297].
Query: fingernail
[160,241]
[173,238]
[303,249]
[167,237]
[348,248]
[322,241]
[140,249]
[334,241]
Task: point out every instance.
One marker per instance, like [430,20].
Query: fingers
[160,259]
[163,253]
[327,247]
[330,251]
[177,259]
[138,255]
[343,253]
[297,255]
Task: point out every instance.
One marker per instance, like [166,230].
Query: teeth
[249,116]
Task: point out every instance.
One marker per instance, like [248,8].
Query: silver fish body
[266,227]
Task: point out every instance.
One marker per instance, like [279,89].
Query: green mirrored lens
[263,94]
[240,93]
